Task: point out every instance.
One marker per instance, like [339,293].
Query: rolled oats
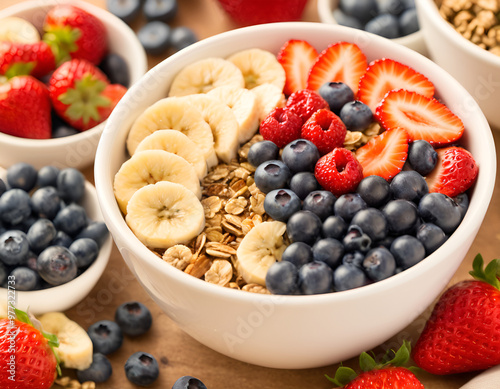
[199,266]
[220,273]
[236,206]
[255,288]
[179,256]
[219,250]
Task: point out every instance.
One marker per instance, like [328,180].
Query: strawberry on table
[17,59]
[463,331]
[325,130]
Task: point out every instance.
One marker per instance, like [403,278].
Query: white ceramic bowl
[413,41]
[292,331]
[77,150]
[475,68]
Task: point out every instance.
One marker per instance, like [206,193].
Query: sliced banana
[244,106]
[75,347]
[223,123]
[204,75]
[165,214]
[15,29]
[150,166]
[269,97]
[259,249]
[259,67]
[176,142]
[175,114]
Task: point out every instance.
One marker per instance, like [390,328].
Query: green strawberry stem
[62,41]
[489,274]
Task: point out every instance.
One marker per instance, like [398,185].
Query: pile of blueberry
[46,237]
[355,239]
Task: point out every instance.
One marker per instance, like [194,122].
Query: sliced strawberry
[424,118]
[385,154]
[342,61]
[384,75]
[296,56]
[455,171]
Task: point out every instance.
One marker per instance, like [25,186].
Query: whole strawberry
[325,130]
[24,108]
[463,332]
[74,33]
[17,59]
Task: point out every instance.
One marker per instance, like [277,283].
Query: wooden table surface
[177,353]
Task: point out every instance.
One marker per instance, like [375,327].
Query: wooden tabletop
[177,353]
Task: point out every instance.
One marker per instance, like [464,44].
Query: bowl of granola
[202,238]
[463,38]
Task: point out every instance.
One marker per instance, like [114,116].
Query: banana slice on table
[176,142]
[165,214]
[173,113]
[204,75]
[269,97]
[223,123]
[150,166]
[243,103]
[15,29]
[259,249]
[75,347]
[259,67]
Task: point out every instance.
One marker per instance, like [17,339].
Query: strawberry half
[424,118]
[296,56]
[384,75]
[18,59]
[455,171]
[384,155]
[341,61]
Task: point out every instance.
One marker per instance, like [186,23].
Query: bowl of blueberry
[313,178]
[64,66]
[54,245]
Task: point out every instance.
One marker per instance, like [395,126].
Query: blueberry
[345,20]
[431,236]
[393,7]
[303,183]
[328,250]
[15,206]
[347,205]
[300,155]
[280,204]
[155,37]
[379,264]
[372,222]
[22,175]
[363,10]
[462,200]
[356,115]
[47,176]
[315,278]
[407,251]
[85,251]
[401,216]
[99,371]
[356,240]
[182,37]
[96,231]
[304,226]
[386,242]
[441,210]
[25,278]
[114,66]
[3,187]
[409,185]
[354,258]
[320,202]
[71,219]
[422,157]
[30,261]
[282,278]
[126,10]
[261,152]
[14,247]
[272,175]
[385,25]
[161,10]
[347,277]
[71,185]
[336,95]
[56,265]
[298,253]
[188,382]
[374,190]
[26,224]
[61,129]
[106,336]
[134,318]
[408,22]
[142,369]
[62,239]
[334,227]
[40,234]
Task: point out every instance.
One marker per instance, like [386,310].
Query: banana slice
[259,67]
[75,347]
[259,249]
[150,166]
[14,29]
[223,123]
[204,75]
[175,114]
[176,142]
[244,106]
[269,97]
[165,214]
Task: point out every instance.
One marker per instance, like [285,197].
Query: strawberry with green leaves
[17,59]
[463,331]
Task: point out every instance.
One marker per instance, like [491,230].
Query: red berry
[304,103]
[325,130]
[17,59]
[339,171]
[281,127]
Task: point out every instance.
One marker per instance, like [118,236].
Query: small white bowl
[413,41]
[77,150]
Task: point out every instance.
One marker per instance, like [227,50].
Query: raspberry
[325,130]
[304,103]
[281,127]
[339,171]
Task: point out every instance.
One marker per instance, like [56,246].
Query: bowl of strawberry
[63,68]
[350,196]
